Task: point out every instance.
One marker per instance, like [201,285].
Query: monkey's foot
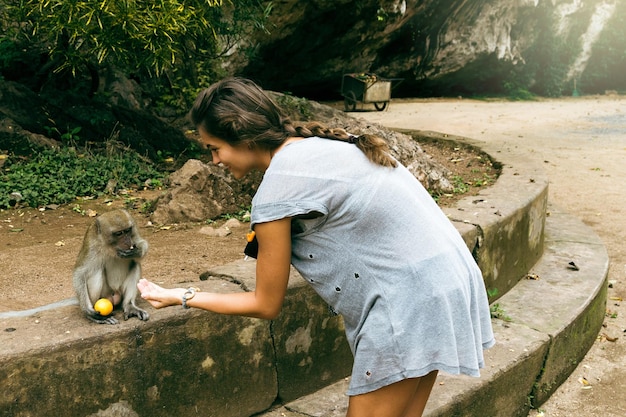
[133,311]
[97,318]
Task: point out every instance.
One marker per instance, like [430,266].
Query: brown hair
[238,111]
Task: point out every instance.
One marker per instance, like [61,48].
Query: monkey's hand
[160,297]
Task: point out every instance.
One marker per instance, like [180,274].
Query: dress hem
[364,389]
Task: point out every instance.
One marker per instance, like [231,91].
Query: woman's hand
[160,297]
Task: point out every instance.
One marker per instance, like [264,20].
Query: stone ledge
[508,218]
[174,364]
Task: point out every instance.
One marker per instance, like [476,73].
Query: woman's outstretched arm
[272,276]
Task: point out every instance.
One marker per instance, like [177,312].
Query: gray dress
[375,246]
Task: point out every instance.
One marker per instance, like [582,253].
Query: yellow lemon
[103,306]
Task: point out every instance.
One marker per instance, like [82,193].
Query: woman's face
[239,159]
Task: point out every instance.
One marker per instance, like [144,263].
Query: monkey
[108,266]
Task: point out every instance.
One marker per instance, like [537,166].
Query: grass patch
[498,313]
[58,176]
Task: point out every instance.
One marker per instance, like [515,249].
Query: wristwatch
[188,295]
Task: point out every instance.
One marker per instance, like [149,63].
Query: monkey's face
[122,241]
[118,236]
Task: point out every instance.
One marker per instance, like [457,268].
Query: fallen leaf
[60,243]
[616,298]
[573,266]
[534,277]
[609,338]
[585,384]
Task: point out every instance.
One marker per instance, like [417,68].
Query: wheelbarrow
[367,88]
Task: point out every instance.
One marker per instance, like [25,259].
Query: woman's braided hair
[238,111]
[374,147]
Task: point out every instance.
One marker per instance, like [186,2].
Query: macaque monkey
[108,266]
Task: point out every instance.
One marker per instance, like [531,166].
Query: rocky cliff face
[441,46]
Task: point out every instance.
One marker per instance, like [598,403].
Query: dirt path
[38,250]
[581,142]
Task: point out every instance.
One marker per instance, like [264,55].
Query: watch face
[252,248]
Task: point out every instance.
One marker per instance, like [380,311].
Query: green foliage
[172,40]
[243,215]
[298,108]
[181,89]
[483,181]
[459,184]
[381,14]
[492,292]
[548,59]
[605,70]
[59,176]
[462,185]
[517,92]
[70,137]
[132,33]
[9,53]
[497,312]
[547,63]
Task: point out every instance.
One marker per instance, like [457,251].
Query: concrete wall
[180,362]
[504,225]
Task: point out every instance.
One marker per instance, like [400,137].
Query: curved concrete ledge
[188,362]
[506,221]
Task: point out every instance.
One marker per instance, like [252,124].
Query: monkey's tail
[25,313]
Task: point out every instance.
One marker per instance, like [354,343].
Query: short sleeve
[268,212]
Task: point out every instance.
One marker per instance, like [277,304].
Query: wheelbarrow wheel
[350,101]
[381,106]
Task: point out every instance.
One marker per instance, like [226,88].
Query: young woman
[366,236]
